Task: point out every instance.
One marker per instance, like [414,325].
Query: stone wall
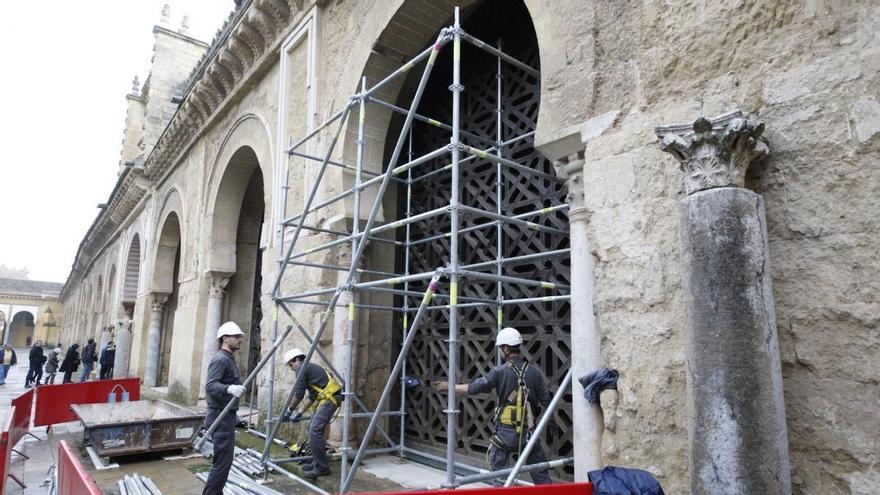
[810,72]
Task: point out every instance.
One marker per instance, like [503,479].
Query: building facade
[190,234]
[30,310]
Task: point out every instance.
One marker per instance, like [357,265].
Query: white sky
[65,68]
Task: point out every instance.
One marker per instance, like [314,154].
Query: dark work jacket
[88,355]
[71,360]
[503,381]
[13,361]
[222,372]
[312,375]
[613,480]
[36,356]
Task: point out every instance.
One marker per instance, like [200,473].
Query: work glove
[235,390]
[291,416]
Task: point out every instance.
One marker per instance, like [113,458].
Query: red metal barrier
[73,479]
[53,401]
[5,447]
[21,418]
[554,489]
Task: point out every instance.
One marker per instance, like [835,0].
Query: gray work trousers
[319,421]
[499,458]
[223,440]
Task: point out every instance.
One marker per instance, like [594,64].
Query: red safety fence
[554,489]
[54,401]
[5,448]
[21,416]
[73,479]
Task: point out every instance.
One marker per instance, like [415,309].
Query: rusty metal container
[122,428]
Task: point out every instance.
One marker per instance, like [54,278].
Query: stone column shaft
[737,433]
[216,287]
[585,340]
[123,349]
[154,334]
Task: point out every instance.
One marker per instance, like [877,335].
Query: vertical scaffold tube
[392,378]
[499,231]
[349,330]
[452,400]
[406,251]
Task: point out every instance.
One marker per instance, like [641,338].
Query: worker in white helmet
[223,385]
[325,396]
[522,392]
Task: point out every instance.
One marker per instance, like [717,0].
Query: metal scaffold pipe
[386,391]
[536,434]
[377,203]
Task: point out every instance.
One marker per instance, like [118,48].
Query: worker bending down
[325,395]
[522,392]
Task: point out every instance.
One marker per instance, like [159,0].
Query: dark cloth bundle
[613,480]
[597,381]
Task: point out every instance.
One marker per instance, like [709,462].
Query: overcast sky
[66,68]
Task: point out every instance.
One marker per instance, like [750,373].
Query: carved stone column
[154,334]
[123,348]
[585,340]
[217,283]
[737,433]
[106,337]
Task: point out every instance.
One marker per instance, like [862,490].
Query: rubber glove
[235,390]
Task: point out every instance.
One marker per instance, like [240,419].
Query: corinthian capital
[714,152]
[217,284]
[571,168]
[159,300]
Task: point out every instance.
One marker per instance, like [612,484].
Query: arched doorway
[21,329]
[544,324]
[132,276]
[166,285]
[237,227]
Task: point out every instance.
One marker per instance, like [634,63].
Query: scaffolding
[443,279]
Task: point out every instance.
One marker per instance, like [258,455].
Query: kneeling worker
[522,391]
[325,395]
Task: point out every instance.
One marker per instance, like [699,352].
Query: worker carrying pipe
[522,392]
[222,386]
[325,396]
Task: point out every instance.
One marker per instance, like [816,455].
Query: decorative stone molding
[217,284]
[714,152]
[571,169]
[158,301]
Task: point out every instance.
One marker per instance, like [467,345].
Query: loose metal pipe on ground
[476,478]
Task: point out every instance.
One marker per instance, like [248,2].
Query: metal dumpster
[119,428]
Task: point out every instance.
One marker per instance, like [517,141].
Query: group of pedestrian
[40,364]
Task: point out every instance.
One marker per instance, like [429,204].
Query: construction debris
[135,484]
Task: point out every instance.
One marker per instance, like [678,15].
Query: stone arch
[169,240]
[21,328]
[245,148]
[131,278]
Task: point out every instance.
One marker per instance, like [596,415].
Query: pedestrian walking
[106,361]
[223,385]
[52,366]
[8,359]
[70,363]
[522,391]
[325,395]
[35,360]
[89,356]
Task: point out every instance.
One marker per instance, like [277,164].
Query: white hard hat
[229,328]
[291,354]
[508,336]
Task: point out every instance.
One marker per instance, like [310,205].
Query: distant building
[30,310]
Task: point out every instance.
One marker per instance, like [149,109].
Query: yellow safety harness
[514,412]
[327,393]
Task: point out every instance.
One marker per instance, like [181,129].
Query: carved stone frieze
[251,37]
[262,23]
[714,152]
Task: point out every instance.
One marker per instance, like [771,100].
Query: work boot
[313,474]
